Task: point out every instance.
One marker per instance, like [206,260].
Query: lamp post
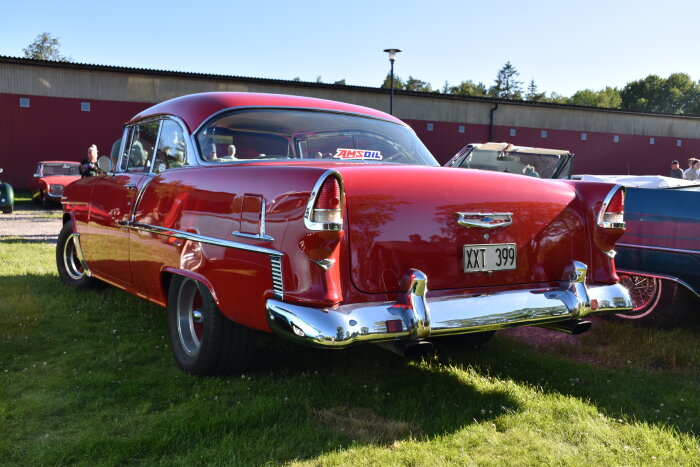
[392,58]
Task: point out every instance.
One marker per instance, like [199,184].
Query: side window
[172,148]
[143,144]
[124,161]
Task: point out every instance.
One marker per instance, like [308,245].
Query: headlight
[56,188]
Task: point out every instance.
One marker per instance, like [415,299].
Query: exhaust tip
[410,350]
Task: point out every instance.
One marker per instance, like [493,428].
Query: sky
[564,46]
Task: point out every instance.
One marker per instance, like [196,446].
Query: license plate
[489,257]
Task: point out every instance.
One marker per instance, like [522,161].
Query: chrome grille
[277,282]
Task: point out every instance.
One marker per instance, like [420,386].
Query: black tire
[472,341]
[659,303]
[70,269]
[45,201]
[203,340]
[7,210]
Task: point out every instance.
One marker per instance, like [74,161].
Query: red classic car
[50,179]
[331,225]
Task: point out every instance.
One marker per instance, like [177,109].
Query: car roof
[194,109]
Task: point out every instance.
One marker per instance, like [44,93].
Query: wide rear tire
[659,303]
[70,269]
[204,341]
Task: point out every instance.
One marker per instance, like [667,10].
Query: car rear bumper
[415,317]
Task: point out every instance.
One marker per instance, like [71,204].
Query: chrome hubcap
[70,259]
[190,319]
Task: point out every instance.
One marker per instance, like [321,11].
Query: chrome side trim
[277,278]
[606,202]
[200,238]
[415,316]
[661,276]
[260,235]
[659,248]
[484,220]
[311,225]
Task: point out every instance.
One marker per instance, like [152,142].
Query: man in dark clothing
[676,172]
[88,166]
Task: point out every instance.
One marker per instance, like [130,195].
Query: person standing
[676,171]
[693,173]
[88,166]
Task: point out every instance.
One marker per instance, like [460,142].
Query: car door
[112,204]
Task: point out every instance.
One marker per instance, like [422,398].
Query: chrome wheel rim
[71,262]
[190,317]
[645,292]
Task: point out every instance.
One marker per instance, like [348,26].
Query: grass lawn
[88,378]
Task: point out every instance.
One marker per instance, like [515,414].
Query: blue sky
[564,46]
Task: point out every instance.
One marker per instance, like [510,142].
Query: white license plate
[489,257]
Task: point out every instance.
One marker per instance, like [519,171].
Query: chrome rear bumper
[415,317]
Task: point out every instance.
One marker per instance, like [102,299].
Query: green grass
[88,378]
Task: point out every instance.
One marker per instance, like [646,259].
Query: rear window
[255,134]
[61,169]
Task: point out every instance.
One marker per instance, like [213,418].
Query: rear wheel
[70,268]
[472,341]
[203,340]
[658,302]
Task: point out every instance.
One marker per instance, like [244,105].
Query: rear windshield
[307,134]
[61,169]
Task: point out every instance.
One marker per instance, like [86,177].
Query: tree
[414,84]
[445,88]
[533,93]
[677,94]
[506,86]
[45,47]
[340,82]
[468,88]
[398,83]
[607,98]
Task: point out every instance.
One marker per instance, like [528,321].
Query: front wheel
[70,268]
[658,303]
[204,341]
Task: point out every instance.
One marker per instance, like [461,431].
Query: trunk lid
[403,217]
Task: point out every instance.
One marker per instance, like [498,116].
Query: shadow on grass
[92,369]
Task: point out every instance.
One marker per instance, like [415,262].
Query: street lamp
[392,58]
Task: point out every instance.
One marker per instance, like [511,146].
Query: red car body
[324,250]
[50,179]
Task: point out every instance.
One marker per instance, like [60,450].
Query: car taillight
[327,208]
[613,210]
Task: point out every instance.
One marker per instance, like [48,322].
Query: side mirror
[105,164]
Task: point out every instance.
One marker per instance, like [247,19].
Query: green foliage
[506,86]
[45,47]
[87,378]
[608,98]
[414,84]
[533,93]
[468,88]
[398,82]
[677,94]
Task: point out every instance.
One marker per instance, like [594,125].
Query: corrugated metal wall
[54,128]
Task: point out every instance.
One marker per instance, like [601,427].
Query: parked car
[325,223]
[505,157]
[658,257]
[50,179]
[7,197]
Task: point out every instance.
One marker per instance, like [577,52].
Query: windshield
[308,134]
[534,165]
[61,169]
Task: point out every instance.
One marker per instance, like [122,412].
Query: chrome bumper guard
[414,317]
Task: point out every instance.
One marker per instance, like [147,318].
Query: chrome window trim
[261,234]
[200,238]
[606,202]
[316,226]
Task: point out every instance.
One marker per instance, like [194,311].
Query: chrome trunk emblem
[484,220]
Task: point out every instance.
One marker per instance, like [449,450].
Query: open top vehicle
[50,179]
[331,225]
[7,196]
[505,157]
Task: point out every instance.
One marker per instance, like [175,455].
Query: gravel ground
[31,223]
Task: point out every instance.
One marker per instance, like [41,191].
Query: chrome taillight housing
[325,208]
[611,215]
